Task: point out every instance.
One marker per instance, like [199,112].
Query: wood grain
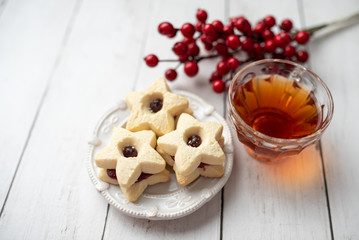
[52,196]
[333,55]
[64,63]
[280,201]
[205,222]
[32,35]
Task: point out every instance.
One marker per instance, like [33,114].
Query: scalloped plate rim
[154,215]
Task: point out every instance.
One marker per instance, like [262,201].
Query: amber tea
[277,107]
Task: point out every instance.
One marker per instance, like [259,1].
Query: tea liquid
[278,107]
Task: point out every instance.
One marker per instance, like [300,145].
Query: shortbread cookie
[108,175]
[132,155]
[213,171]
[155,108]
[170,159]
[133,192]
[193,143]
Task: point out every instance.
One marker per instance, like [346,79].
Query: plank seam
[142,50]
[226,19]
[43,97]
[302,19]
[326,190]
[143,47]
[104,225]
[3,4]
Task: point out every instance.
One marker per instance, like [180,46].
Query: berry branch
[236,43]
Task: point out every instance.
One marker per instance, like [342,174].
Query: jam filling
[203,165]
[156,105]
[143,176]
[194,141]
[111,173]
[129,151]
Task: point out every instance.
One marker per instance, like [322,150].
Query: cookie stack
[160,130]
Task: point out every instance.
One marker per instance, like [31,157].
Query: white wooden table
[64,63]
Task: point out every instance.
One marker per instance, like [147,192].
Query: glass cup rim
[281,141]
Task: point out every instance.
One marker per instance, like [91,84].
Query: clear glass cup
[293,76]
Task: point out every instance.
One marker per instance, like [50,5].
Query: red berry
[267,34]
[278,55]
[243,25]
[226,57]
[203,38]
[269,45]
[289,51]
[223,68]
[257,49]
[183,58]
[233,42]
[269,21]
[188,40]
[215,75]
[180,48]
[282,39]
[151,60]
[259,28]
[165,28]
[233,21]
[233,63]
[191,68]
[201,15]
[212,38]
[171,74]
[218,86]
[218,26]
[188,30]
[193,49]
[302,56]
[199,26]
[228,30]
[286,25]
[302,37]
[221,48]
[172,35]
[209,30]
[208,46]
[247,44]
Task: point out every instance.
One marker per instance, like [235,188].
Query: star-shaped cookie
[136,161]
[155,108]
[192,145]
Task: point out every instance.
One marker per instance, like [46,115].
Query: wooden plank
[52,196]
[279,201]
[29,44]
[2,5]
[205,222]
[333,57]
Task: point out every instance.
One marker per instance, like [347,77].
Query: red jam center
[156,105]
[203,165]
[194,141]
[143,176]
[129,151]
[111,173]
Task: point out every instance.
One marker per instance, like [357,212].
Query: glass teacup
[278,108]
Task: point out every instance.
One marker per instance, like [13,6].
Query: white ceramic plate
[164,200]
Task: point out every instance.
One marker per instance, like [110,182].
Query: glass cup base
[262,158]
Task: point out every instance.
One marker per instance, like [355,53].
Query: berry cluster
[235,43]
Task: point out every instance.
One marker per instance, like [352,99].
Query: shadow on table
[202,224]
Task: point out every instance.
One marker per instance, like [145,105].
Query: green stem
[316,28]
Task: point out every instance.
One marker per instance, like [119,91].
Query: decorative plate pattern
[164,200]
